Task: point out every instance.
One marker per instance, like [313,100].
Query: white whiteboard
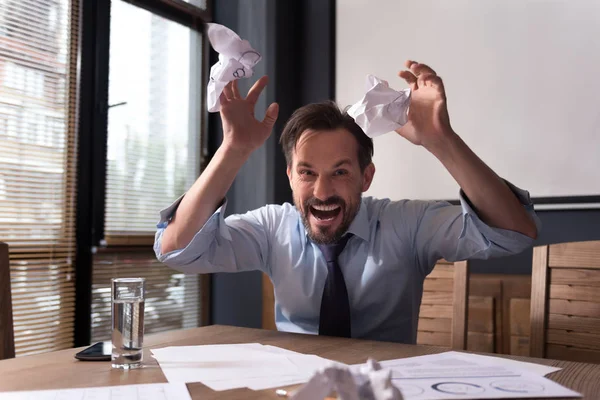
[522,79]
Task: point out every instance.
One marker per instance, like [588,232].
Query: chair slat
[575,255]
[435,325]
[574,339]
[579,277]
[438,285]
[571,292]
[574,323]
[443,298]
[436,311]
[434,338]
[572,307]
[559,352]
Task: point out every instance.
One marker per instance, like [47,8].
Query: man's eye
[306,172]
[341,172]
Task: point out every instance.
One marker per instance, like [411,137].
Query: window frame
[93,135]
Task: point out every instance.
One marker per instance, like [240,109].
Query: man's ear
[368,177]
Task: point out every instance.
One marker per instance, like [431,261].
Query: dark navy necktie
[334,319]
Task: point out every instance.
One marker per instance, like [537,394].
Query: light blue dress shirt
[395,245]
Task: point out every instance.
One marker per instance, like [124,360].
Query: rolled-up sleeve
[457,233]
[232,244]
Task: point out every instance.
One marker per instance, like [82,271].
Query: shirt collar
[360,226]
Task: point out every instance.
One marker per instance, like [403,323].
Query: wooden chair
[443,317]
[7,343]
[565,302]
[268,304]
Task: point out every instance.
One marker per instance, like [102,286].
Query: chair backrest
[7,343]
[565,302]
[443,316]
[268,304]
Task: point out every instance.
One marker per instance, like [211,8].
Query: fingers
[257,89]
[228,91]
[409,78]
[431,80]
[223,99]
[271,115]
[235,90]
[419,69]
[421,75]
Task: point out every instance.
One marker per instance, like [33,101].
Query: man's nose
[323,188]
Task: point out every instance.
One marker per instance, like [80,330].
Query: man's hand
[241,130]
[428,121]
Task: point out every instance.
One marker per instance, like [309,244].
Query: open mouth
[325,213]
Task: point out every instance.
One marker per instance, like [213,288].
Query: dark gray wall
[296,42]
[557,227]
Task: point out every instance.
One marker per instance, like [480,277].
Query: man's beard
[322,234]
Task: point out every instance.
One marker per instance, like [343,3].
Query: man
[341,264]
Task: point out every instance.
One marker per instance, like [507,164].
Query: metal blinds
[38,50]
[172,298]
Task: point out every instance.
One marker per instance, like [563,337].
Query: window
[153,132]
[153,156]
[37,170]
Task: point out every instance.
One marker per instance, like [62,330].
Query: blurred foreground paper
[236,60]
[382,109]
[149,391]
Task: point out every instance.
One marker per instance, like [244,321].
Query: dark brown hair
[324,116]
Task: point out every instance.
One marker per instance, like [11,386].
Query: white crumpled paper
[371,383]
[236,60]
[382,109]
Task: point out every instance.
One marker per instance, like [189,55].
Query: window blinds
[172,298]
[38,97]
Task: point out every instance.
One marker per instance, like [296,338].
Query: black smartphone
[100,351]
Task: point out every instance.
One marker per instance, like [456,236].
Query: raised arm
[429,126]
[242,134]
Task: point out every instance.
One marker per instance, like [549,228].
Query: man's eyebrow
[342,162]
[303,164]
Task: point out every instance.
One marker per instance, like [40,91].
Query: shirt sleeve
[233,244]
[455,232]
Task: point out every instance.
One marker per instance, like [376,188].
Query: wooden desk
[60,370]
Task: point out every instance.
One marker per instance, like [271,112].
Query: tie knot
[332,251]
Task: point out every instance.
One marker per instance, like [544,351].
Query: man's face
[327,182]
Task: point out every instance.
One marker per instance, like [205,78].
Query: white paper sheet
[224,367]
[237,59]
[153,391]
[446,375]
[382,109]
[536,369]
[531,386]
[220,362]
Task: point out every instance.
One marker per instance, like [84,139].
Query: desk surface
[60,370]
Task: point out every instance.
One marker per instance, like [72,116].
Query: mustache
[331,201]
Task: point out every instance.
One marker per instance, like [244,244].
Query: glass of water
[127,322]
